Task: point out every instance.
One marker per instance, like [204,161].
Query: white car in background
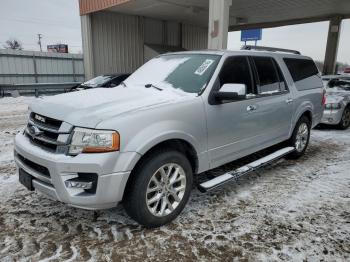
[337,109]
[327,78]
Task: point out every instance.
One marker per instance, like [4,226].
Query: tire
[149,175]
[345,119]
[299,139]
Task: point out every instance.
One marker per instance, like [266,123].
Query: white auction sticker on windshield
[204,67]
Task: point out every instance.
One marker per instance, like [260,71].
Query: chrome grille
[48,133]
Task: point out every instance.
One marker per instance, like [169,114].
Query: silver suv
[177,116]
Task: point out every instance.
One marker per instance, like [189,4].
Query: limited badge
[40,118]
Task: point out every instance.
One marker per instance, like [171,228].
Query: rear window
[303,72]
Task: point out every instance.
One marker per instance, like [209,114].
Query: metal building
[119,35]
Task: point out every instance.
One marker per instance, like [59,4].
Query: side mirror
[231,92]
[240,89]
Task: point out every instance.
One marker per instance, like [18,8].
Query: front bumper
[111,169]
[332,117]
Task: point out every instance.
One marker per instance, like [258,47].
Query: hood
[88,108]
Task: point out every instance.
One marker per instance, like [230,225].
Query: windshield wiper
[151,85]
[123,84]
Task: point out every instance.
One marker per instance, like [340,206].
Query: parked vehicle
[337,109]
[177,116]
[106,81]
[347,70]
[327,78]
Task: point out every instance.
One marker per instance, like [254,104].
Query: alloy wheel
[302,137]
[166,189]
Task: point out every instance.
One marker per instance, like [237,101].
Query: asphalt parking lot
[291,210]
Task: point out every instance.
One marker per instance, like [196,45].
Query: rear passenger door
[273,105]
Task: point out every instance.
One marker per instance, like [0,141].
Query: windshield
[339,84]
[188,72]
[97,81]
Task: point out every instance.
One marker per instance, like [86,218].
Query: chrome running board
[235,174]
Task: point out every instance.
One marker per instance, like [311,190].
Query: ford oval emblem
[34,131]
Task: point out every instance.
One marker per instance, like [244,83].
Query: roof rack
[271,49]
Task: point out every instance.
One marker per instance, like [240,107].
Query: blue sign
[251,35]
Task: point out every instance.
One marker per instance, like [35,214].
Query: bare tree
[13,44]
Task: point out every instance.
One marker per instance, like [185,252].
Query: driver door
[232,126]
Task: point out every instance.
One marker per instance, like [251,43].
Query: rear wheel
[345,119]
[300,138]
[159,189]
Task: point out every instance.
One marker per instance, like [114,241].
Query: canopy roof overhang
[244,14]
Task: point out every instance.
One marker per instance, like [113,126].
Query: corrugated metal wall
[161,32]
[154,31]
[117,42]
[19,67]
[194,37]
[173,31]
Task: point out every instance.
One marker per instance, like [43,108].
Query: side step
[235,174]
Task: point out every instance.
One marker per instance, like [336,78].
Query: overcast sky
[59,22]
[310,39]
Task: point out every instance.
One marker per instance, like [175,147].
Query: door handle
[289,101]
[251,108]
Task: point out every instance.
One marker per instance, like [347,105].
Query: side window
[269,82]
[304,73]
[236,70]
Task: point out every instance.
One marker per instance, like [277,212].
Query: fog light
[78,183]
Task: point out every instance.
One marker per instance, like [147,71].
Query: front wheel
[300,138]
[345,119]
[159,189]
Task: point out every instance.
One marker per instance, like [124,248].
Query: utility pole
[40,36]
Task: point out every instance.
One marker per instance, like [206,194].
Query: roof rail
[271,49]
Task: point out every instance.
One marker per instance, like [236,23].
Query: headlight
[333,106]
[93,141]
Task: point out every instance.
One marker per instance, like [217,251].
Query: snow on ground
[290,211]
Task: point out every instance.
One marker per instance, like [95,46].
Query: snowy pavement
[289,211]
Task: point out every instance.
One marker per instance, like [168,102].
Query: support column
[330,60]
[86,32]
[219,12]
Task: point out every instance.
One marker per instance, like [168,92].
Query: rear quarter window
[304,73]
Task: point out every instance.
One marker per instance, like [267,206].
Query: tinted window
[303,71]
[267,74]
[301,68]
[236,71]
